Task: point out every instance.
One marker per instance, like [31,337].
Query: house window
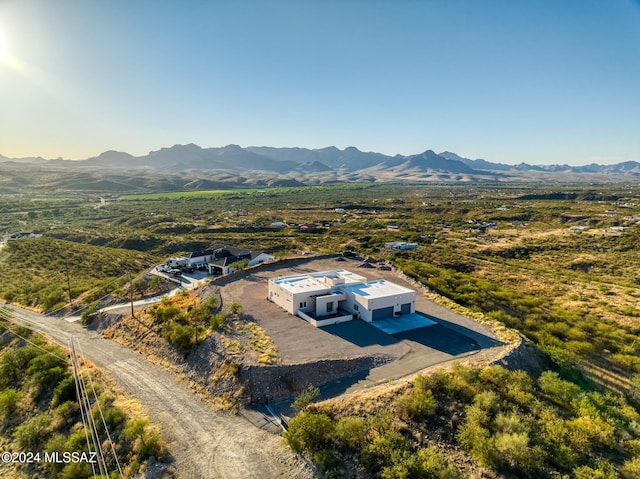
[356,307]
[329,306]
[303,304]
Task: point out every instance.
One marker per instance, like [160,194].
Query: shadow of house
[360,333]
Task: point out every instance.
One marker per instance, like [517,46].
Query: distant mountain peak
[328,164]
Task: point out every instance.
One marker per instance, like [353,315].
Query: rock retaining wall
[269,383]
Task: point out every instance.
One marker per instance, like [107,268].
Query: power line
[80,370]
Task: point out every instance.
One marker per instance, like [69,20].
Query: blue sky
[505,80]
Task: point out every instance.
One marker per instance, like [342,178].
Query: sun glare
[4,54]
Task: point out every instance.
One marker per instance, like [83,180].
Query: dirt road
[204,444]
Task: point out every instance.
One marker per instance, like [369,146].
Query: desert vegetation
[507,422]
[557,263]
[40,412]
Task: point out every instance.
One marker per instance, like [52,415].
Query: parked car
[161,268]
[175,272]
[187,269]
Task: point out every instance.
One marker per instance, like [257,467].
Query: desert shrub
[629,362]
[351,432]
[180,335]
[327,460]
[56,444]
[385,450]
[88,313]
[602,470]
[146,441]
[305,398]
[631,469]
[308,431]
[65,413]
[216,321]
[76,470]
[427,463]
[235,308]
[512,449]
[9,400]
[113,417]
[33,432]
[418,403]
[65,390]
[77,441]
[13,363]
[475,438]
[165,313]
[557,389]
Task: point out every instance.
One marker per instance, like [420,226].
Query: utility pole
[131,296]
[68,283]
[195,314]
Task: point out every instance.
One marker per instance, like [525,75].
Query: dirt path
[203,443]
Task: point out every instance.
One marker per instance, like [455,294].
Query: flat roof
[376,289]
[315,281]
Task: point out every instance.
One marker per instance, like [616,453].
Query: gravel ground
[204,444]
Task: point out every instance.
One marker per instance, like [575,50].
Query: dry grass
[262,345]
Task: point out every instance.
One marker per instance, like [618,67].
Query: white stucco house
[336,296]
[218,258]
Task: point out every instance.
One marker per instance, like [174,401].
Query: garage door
[382,313]
[405,308]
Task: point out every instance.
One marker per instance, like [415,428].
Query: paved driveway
[452,335]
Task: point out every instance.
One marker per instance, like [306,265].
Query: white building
[331,297]
[401,245]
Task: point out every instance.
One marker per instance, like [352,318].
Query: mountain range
[192,167]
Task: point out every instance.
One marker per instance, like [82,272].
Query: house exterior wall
[261,258]
[322,303]
[363,307]
[361,300]
[197,260]
[293,302]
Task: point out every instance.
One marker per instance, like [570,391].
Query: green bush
[327,460]
[351,432]
[631,469]
[89,312]
[77,470]
[33,432]
[418,403]
[427,463]
[602,470]
[114,416]
[13,363]
[216,321]
[308,431]
[180,335]
[65,391]
[305,398]
[9,400]
[557,389]
[145,441]
[386,450]
[65,413]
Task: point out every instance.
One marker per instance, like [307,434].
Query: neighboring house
[401,245]
[578,229]
[219,258]
[336,296]
[22,235]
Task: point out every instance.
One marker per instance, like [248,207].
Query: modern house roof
[376,289]
[219,251]
[318,281]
